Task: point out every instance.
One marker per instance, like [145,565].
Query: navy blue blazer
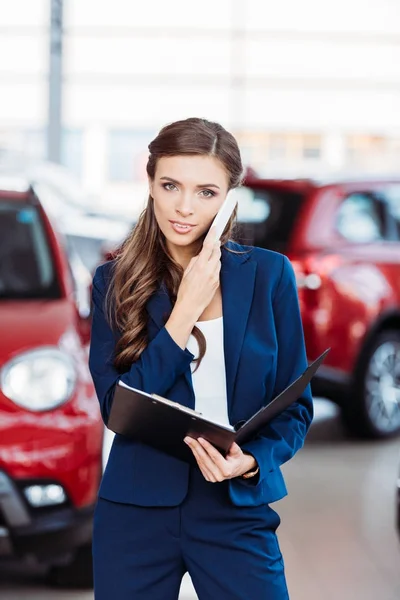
[264,352]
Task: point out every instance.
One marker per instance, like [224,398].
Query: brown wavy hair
[142,262]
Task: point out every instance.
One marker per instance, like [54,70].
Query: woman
[216,327]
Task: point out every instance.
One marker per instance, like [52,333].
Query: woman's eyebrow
[204,185]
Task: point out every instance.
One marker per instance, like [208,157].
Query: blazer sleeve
[285,434]
[154,372]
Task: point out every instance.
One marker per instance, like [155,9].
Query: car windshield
[26,265]
[266,217]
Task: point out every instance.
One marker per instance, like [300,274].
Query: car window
[360,219]
[392,197]
[266,217]
[26,265]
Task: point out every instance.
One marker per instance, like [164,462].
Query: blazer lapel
[237,284]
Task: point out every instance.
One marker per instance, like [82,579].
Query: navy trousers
[230,552]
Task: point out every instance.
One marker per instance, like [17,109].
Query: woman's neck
[183,255]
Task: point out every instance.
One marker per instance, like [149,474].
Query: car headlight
[39,379]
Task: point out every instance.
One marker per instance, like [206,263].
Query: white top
[209,380]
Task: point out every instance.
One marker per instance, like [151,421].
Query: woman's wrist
[185,313]
[180,325]
[250,464]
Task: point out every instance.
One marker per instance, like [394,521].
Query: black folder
[163,424]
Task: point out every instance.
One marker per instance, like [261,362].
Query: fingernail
[186,440]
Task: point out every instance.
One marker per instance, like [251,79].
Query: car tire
[77,574]
[372,410]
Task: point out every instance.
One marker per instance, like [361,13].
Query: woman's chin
[178,241]
[184,241]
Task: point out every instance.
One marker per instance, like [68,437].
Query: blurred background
[306,89]
[311,91]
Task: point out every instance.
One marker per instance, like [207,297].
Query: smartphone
[224,214]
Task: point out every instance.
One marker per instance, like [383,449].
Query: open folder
[163,424]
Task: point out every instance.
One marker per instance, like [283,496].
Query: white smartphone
[224,214]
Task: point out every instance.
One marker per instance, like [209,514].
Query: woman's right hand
[200,280]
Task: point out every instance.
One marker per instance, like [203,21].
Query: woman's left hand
[214,466]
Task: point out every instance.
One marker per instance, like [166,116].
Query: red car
[51,432]
[343,238]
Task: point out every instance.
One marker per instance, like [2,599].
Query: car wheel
[373,409]
[78,573]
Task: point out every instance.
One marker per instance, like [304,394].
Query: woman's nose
[185,205]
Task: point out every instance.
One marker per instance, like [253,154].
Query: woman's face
[187,193]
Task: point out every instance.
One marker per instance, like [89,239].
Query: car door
[369,223]
[366,280]
[349,285]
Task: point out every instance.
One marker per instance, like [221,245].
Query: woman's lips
[181,229]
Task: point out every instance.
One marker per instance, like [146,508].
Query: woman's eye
[169,186]
[208,193]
